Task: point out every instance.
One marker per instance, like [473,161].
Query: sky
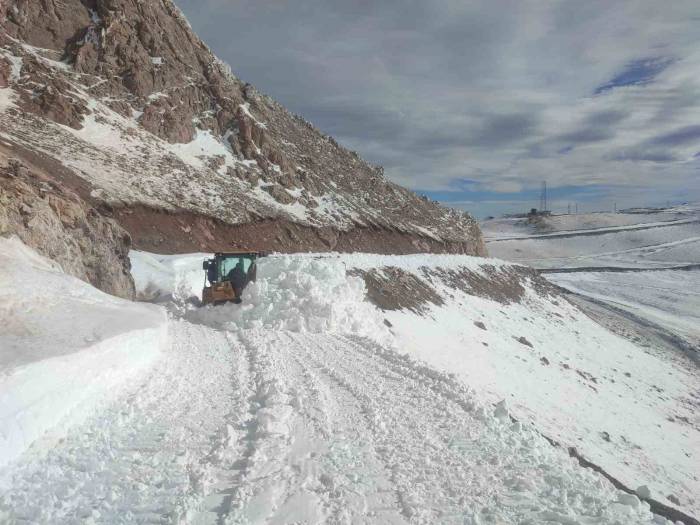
[475,103]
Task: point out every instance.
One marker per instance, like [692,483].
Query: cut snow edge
[44,393]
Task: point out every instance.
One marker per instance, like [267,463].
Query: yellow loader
[227,274]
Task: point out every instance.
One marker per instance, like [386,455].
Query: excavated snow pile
[161,278]
[299,294]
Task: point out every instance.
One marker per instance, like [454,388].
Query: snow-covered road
[281,427]
[305,404]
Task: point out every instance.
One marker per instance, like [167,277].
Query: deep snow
[65,347]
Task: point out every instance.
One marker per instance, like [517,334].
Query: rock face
[60,225]
[127,96]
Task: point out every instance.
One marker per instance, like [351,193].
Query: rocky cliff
[159,134]
[40,210]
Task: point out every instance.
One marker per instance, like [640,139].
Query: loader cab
[227,274]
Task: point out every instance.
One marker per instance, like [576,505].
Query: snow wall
[65,347]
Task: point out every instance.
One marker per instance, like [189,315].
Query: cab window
[229,263]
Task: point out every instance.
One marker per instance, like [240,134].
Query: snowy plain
[631,240]
[302,405]
[664,245]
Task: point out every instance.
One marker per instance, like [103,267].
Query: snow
[205,144]
[638,240]
[494,229]
[670,298]
[612,387]
[245,107]
[577,385]
[65,347]
[299,294]
[7,99]
[661,305]
[7,95]
[656,247]
[303,405]
[167,277]
[15,67]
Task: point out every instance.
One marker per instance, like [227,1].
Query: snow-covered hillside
[133,111]
[632,240]
[309,403]
[627,409]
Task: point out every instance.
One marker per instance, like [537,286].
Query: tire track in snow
[147,457]
[270,426]
[228,454]
[360,480]
[452,462]
[304,462]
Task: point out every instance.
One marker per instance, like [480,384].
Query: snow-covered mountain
[126,106]
[347,387]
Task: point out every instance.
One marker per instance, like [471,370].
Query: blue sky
[601,99]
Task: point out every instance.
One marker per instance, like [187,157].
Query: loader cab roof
[239,254]
[219,267]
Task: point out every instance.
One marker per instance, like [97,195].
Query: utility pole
[576,204]
[615,207]
[546,208]
[568,209]
[543,197]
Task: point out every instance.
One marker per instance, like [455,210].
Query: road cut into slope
[508,335]
[307,404]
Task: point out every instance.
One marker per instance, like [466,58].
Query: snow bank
[167,277]
[300,294]
[65,347]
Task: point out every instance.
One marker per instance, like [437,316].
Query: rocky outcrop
[60,225]
[4,73]
[168,127]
